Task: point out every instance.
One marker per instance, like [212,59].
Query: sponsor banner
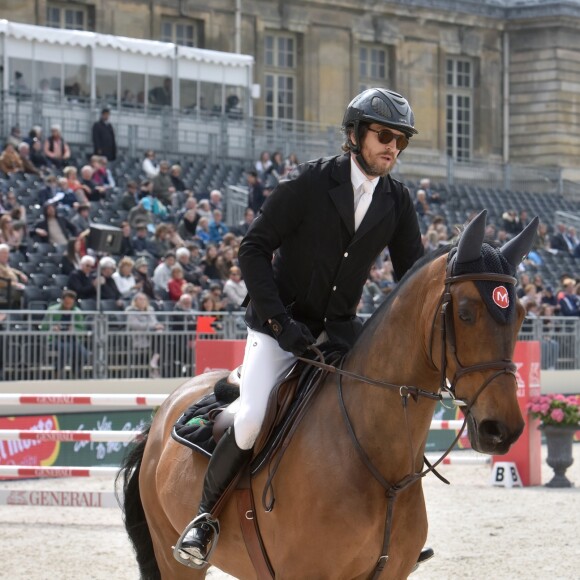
[51,498]
[30,453]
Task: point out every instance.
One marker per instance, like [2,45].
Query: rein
[448,342]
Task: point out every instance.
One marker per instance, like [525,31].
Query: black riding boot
[225,463]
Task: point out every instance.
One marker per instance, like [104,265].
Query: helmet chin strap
[356,149]
[363,164]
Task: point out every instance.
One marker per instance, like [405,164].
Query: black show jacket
[320,264]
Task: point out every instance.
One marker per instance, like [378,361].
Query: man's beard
[374,170]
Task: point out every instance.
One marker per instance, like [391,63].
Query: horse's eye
[465,316]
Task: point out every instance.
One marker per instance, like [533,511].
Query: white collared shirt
[357,178]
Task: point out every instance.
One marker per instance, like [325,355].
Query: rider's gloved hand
[293,336]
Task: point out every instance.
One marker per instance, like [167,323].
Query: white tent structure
[161,95]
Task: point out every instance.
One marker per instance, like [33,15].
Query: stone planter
[559,440]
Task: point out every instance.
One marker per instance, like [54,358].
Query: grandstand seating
[41,261]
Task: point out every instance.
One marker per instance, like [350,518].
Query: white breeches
[265,363]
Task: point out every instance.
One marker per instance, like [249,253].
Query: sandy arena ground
[477,531]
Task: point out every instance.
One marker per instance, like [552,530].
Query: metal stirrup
[190,561]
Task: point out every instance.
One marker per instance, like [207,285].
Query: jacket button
[346,254]
[325,319]
[334,288]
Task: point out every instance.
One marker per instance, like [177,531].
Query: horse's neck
[395,348]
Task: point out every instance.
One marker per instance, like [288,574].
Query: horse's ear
[469,248]
[515,250]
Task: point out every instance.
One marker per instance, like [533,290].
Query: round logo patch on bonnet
[501,297]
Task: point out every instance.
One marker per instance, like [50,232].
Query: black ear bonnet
[491,260]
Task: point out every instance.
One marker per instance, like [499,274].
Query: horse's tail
[134,515]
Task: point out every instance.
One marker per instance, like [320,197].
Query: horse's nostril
[493,431]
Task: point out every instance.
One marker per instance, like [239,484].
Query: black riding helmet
[378,106]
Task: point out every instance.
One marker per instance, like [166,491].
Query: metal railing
[172,132]
[35,345]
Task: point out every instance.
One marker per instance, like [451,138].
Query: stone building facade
[488,79]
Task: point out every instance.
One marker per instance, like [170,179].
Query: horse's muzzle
[491,436]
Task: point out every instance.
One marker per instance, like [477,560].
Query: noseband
[448,338]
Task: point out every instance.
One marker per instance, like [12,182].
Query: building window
[459,108]
[70,18]
[184,34]
[373,67]
[280,76]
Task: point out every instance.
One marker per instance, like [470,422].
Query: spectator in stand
[64,197]
[217,229]
[570,302]
[242,227]
[176,284]
[15,136]
[72,181]
[220,301]
[101,174]
[145,189]
[34,134]
[149,166]
[202,231]
[209,263]
[141,213]
[204,209]
[93,191]
[104,142]
[162,185]
[37,156]
[548,297]
[262,165]
[511,222]
[71,259]
[572,238]
[188,225]
[559,241]
[143,282]
[191,272]
[162,274]
[182,327]
[142,322]
[82,280]
[10,161]
[49,190]
[12,280]
[9,236]
[226,260]
[53,228]
[27,165]
[421,206]
[130,198]
[176,180]
[142,245]
[127,248]
[161,241]
[81,219]
[109,290]
[65,321]
[255,192]
[235,288]
[276,170]
[542,241]
[56,149]
[432,196]
[16,209]
[291,163]
[216,200]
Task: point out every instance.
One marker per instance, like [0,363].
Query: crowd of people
[176,247]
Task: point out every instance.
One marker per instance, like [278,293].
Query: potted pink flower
[560,419]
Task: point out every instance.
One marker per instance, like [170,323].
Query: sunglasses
[385,136]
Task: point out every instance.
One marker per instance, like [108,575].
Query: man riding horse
[325,225]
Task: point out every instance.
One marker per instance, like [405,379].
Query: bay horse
[360,446]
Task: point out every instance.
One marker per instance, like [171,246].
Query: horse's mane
[377,315]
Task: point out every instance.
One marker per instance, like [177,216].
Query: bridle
[443,312]
[448,338]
